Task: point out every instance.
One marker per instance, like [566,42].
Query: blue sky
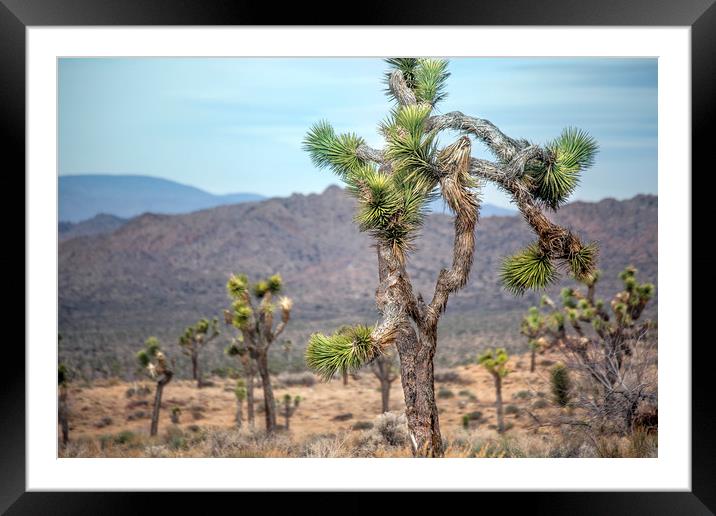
[236,125]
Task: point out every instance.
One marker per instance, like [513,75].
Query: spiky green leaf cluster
[582,262]
[329,150]
[240,390]
[241,314]
[532,322]
[430,79]
[572,153]
[346,350]
[274,283]
[143,357]
[237,286]
[427,77]
[152,346]
[529,269]
[495,361]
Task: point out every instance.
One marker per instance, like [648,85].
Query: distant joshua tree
[156,366]
[393,187]
[495,361]
[607,346]
[63,409]
[238,349]
[383,367]
[240,393]
[195,337]
[255,321]
[289,408]
[533,327]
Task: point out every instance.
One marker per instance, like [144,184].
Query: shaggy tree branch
[367,153]
[454,164]
[400,89]
[502,145]
[555,240]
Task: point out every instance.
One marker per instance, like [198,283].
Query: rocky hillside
[158,273]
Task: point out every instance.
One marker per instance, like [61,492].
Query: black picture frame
[699,15]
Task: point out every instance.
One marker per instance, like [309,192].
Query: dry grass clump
[305,379]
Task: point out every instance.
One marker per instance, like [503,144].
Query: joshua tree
[153,361]
[495,361]
[240,393]
[393,186]
[610,352]
[559,381]
[175,415]
[533,325]
[195,337]
[63,411]
[384,369]
[288,409]
[237,348]
[255,321]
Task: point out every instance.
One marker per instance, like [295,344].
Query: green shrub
[445,393]
[561,385]
[512,409]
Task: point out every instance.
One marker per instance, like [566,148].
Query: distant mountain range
[158,273]
[103,203]
[82,197]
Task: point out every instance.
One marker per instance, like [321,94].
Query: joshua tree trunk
[165,379]
[345,378]
[385,395]
[239,416]
[63,413]
[195,372]
[532,359]
[269,401]
[416,374]
[498,404]
[250,397]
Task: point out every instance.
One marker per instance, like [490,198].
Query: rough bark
[269,401]
[239,415]
[165,379]
[498,404]
[250,399]
[532,359]
[63,415]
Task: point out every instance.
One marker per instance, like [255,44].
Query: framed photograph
[423,252]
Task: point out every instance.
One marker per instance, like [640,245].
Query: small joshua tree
[175,415]
[238,349]
[495,361]
[533,328]
[240,393]
[63,410]
[156,366]
[255,320]
[195,337]
[393,187]
[384,369]
[608,348]
[289,408]
[560,383]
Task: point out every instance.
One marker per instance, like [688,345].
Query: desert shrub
[523,395]
[540,404]
[642,443]
[175,439]
[305,379]
[449,376]
[560,384]
[326,446]
[512,409]
[104,421]
[445,393]
[362,425]
[546,362]
[342,417]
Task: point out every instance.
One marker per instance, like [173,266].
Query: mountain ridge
[158,273]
